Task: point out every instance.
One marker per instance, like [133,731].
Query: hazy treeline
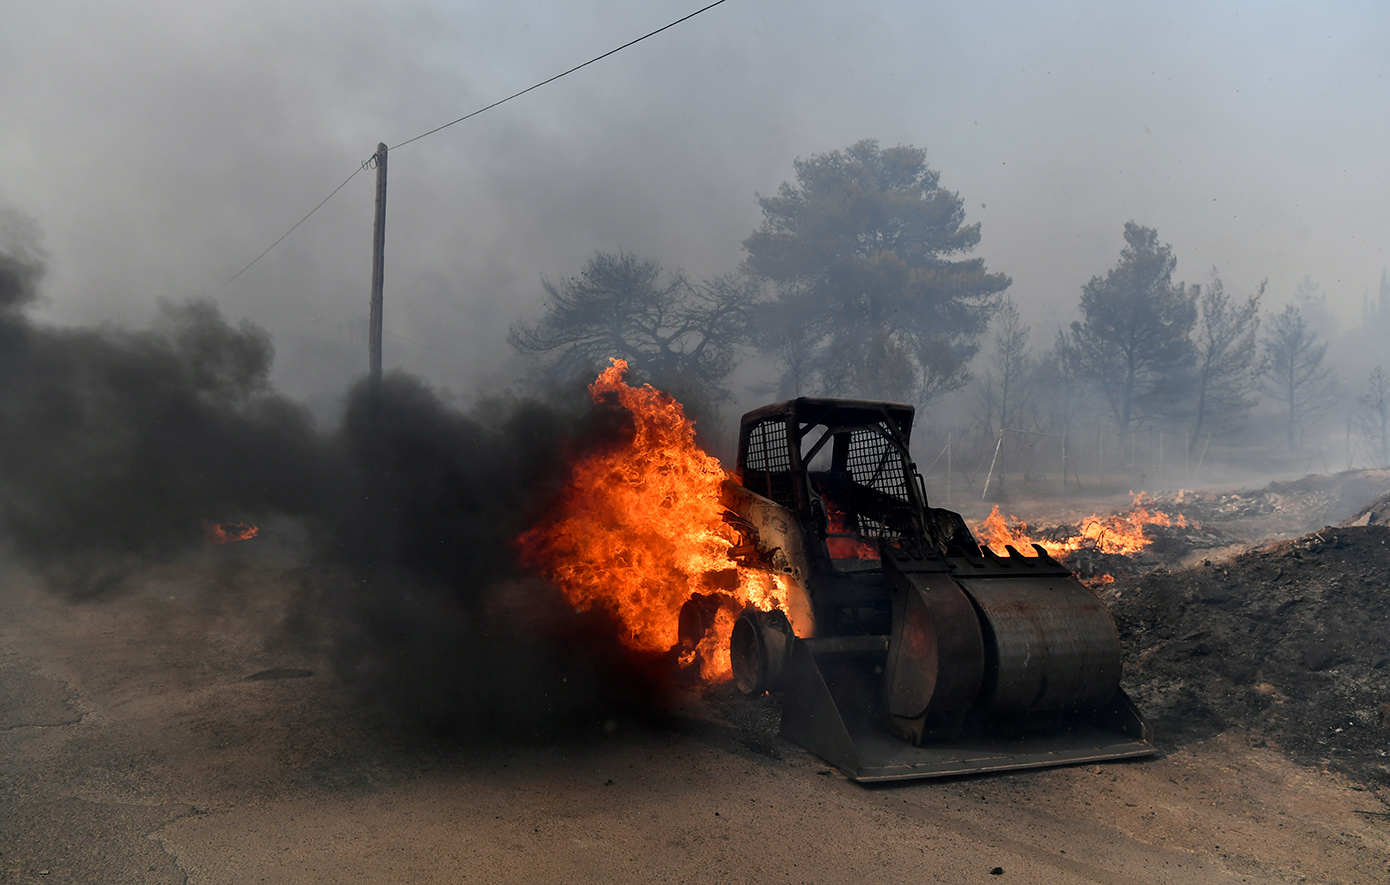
[858,282]
[1158,377]
[861,281]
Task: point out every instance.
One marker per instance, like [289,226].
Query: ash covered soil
[1289,642]
[195,729]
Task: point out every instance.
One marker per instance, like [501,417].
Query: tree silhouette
[1133,342]
[870,296]
[682,336]
[1294,372]
[1373,414]
[1228,367]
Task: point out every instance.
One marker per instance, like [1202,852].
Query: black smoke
[117,445]
[441,624]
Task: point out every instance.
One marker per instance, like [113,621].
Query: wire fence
[962,464]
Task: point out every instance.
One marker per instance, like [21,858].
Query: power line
[290,231]
[467,116]
[558,76]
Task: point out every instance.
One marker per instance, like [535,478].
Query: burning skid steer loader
[905,649]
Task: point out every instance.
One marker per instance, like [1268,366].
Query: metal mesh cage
[767,463]
[874,462]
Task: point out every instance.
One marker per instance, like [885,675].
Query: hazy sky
[162,145]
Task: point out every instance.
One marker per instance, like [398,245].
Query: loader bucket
[830,707]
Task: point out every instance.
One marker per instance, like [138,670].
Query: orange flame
[228,532]
[845,547]
[1119,533]
[639,530]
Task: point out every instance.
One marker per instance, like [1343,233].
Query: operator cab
[845,468]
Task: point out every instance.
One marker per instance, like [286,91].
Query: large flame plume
[639,528]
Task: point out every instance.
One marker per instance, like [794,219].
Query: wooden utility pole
[378,269]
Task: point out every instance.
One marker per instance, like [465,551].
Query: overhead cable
[370,162]
[562,74]
[288,232]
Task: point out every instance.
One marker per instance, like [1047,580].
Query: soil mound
[1290,641]
[1283,509]
[1375,513]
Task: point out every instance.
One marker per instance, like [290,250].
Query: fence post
[985,494]
[1100,456]
[1064,463]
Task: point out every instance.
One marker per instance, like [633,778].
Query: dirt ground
[175,734]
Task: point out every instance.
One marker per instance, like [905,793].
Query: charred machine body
[906,649]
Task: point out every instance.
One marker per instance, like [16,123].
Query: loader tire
[758,650]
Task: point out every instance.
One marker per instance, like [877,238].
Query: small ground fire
[228,532]
[1121,533]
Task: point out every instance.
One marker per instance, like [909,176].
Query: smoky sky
[161,145]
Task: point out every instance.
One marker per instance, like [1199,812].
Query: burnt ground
[1278,511]
[1289,642]
[195,729]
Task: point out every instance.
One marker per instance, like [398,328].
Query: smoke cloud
[1245,133]
[116,446]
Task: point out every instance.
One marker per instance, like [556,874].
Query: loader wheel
[758,650]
